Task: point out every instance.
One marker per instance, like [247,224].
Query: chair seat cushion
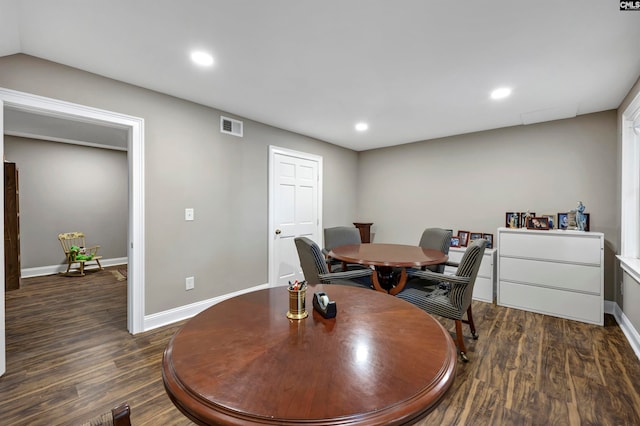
[435,302]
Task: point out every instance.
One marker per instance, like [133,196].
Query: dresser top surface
[551,232]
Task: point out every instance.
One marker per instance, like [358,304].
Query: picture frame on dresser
[512,220]
[525,217]
[474,236]
[551,218]
[455,241]
[563,221]
[587,226]
[540,223]
[464,238]
[489,238]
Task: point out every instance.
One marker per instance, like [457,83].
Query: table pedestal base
[386,280]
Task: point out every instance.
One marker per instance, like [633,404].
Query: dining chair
[437,239]
[340,236]
[455,301]
[316,270]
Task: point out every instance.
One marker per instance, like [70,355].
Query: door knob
[278,232]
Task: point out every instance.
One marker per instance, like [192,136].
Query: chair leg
[121,415]
[101,268]
[82,269]
[471,324]
[460,341]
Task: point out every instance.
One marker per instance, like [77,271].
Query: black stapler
[323,305]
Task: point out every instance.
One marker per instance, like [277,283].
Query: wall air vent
[231,126]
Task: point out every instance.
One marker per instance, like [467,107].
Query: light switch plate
[188,214]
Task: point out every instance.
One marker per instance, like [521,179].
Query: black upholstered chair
[452,302]
[315,269]
[336,237]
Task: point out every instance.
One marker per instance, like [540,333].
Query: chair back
[461,296]
[340,236]
[311,259]
[436,239]
[69,239]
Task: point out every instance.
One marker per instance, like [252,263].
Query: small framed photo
[475,236]
[540,223]
[525,217]
[489,238]
[551,218]
[563,221]
[455,241]
[512,220]
[464,238]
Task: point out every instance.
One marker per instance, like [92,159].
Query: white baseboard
[183,312]
[55,269]
[627,328]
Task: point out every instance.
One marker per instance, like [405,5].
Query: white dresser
[559,273]
[484,288]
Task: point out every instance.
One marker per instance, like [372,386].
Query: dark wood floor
[69,357]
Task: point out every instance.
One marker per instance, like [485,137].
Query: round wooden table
[380,361]
[386,257]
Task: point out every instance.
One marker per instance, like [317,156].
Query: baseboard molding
[629,331]
[56,269]
[180,313]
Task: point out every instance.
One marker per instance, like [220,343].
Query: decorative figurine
[581,220]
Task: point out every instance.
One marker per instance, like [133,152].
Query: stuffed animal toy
[79,253]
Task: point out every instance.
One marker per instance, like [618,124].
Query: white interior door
[295,206]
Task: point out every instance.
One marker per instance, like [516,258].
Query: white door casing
[135,155]
[295,209]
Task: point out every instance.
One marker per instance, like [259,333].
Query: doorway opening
[133,128]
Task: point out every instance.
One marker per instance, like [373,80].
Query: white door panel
[295,210]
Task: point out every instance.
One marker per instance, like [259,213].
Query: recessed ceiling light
[202,58]
[361,127]
[500,93]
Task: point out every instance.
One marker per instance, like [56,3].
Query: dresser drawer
[483,289]
[577,248]
[565,276]
[559,303]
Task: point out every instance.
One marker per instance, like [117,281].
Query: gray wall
[66,188]
[469,181]
[462,182]
[189,163]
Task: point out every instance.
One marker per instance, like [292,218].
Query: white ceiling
[412,69]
